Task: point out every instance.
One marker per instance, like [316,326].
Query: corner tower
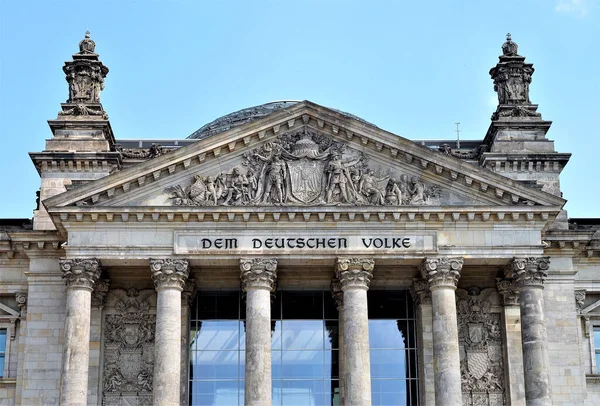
[82,147]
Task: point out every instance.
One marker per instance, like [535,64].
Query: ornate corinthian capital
[258,273]
[80,273]
[530,271]
[508,290]
[169,273]
[100,291]
[419,290]
[441,272]
[354,272]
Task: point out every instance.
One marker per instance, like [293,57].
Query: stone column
[442,275]
[169,276]
[513,348]
[258,280]
[338,296]
[355,276]
[80,276]
[421,295]
[529,275]
[187,299]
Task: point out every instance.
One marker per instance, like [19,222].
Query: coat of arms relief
[305,168]
[480,344]
[128,348]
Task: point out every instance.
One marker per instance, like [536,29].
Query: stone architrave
[169,276]
[338,296]
[442,275]
[258,280]
[80,275]
[529,275]
[354,275]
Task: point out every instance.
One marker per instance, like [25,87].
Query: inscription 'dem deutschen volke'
[310,243]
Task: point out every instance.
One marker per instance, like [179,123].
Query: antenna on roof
[457,135]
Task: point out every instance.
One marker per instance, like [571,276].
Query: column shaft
[529,275]
[354,275]
[169,276]
[258,276]
[80,276]
[442,274]
[341,356]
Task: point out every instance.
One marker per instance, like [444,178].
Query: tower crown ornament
[87,45]
[510,48]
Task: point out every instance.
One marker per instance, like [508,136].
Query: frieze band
[80,273]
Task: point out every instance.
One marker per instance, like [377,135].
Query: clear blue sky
[413,68]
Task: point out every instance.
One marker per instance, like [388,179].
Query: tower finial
[508,37]
[509,48]
[87,34]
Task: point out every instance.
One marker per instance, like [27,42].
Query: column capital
[509,291]
[354,272]
[336,292]
[80,273]
[169,273]
[530,271]
[419,290]
[258,273]
[442,272]
[100,291]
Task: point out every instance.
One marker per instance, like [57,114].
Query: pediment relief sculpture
[307,169]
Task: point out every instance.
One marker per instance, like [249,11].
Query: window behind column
[2,351]
[392,338]
[597,347]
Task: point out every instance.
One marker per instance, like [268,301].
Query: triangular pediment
[304,156]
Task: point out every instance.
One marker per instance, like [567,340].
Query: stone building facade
[294,254]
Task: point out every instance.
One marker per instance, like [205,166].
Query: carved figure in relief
[338,178]
[275,179]
[252,183]
[369,187]
[114,379]
[144,380]
[237,193]
[393,194]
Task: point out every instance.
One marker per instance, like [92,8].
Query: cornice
[492,186]
[53,161]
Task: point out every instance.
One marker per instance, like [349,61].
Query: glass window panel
[2,365]
[302,334]
[215,364]
[242,365]
[215,393]
[598,361]
[597,338]
[388,363]
[331,334]
[387,304]
[386,392]
[2,340]
[302,393]
[302,365]
[276,306]
[218,335]
[331,311]
[331,362]
[206,307]
[276,336]
[228,305]
[385,334]
[276,364]
[302,305]
[414,392]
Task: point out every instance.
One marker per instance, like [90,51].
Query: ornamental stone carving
[419,290]
[85,74]
[336,292]
[258,273]
[530,271]
[128,348]
[579,300]
[80,273]
[481,348]
[189,292]
[509,293]
[441,272]
[307,169]
[21,298]
[169,273]
[155,150]
[100,291]
[354,272]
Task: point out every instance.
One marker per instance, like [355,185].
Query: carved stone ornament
[155,150]
[336,292]
[441,272]
[305,169]
[129,349]
[509,292]
[83,110]
[80,273]
[169,273]
[472,154]
[21,298]
[354,272]
[419,290]
[100,291]
[528,271]
[480,347]
[512,76]
[579,300]
[258,273]
[85,74]
[189,292]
